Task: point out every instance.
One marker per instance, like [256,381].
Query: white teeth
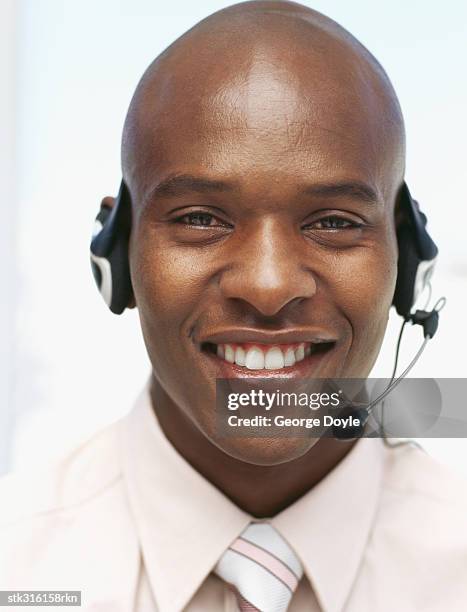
[289,359]
[229,354]
[240,356]
[254,359]
[274,359]
[300,352]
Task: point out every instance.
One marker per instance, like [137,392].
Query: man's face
[262,232]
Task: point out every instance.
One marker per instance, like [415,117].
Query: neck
[259,490]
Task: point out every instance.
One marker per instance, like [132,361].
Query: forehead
[267,108]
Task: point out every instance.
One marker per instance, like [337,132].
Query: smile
[257,356]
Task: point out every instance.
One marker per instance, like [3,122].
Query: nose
[267,270]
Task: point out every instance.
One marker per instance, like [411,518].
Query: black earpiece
[110,266]
[417,254]
[109,252]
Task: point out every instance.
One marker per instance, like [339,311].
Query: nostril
[265,296]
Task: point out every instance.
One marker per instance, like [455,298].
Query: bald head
[262,68]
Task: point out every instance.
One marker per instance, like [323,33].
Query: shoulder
[72,480]
[416,554]
[423,509]
[61,512]
[418,478]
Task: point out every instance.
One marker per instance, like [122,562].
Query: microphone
[428,320]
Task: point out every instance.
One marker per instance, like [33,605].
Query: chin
[265,451]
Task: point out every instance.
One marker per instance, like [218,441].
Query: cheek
[171,286]
[365,290]
[168,282]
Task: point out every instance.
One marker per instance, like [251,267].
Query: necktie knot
[261,568]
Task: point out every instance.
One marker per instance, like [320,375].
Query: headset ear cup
[103,277]
[121,280]
[109,253]
[407,266]
[100,265]
[112,276]
[417,254]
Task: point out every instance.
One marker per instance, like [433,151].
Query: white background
[68,70]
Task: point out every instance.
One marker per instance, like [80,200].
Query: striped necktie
[261,569]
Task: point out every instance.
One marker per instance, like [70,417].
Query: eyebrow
[181,184]
[356,190]
[186,183]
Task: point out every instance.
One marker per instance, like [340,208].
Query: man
[263,153]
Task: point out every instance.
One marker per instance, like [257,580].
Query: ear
[108,202]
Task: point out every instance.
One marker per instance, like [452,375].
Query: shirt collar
[330,525]
[184,523]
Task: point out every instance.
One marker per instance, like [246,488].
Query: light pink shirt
[126,520]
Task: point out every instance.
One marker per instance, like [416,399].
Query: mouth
[255,358]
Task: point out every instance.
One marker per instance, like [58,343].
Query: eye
[333,222]
[200,219]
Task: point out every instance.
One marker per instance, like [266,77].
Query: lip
[302,369]
[247,335]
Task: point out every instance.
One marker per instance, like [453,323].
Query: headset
[416,262]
